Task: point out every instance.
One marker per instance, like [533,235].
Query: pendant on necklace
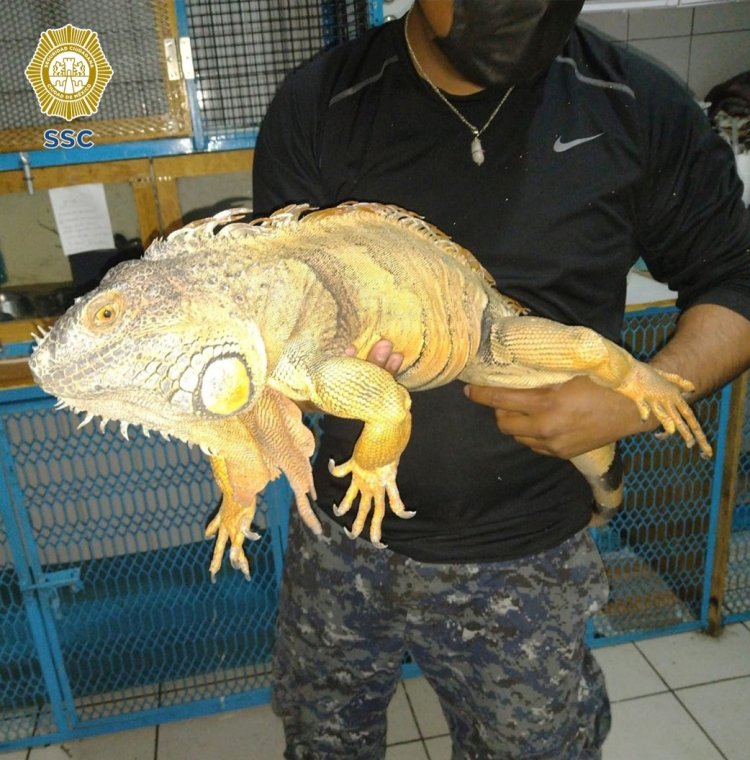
[477,153]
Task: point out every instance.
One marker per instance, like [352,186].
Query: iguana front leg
[272,438]
[240,482]
[356,389]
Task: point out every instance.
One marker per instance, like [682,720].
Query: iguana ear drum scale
[225,387]
[223,328]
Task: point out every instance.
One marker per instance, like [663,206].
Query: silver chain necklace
[477,152]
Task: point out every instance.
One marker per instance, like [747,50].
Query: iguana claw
[376,544]
[371,486]
[233,524]
[661,394]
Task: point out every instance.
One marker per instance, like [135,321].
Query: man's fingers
[514,423]
[380,353]
[524,400]
[383,355]
[394,362]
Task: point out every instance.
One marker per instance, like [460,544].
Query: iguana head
[153,345]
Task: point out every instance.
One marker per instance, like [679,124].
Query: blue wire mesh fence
[243,51]
[20,670]
[737,589]
[659,548]
[108,619]
[112,532]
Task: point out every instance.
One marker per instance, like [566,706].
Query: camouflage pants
[501,643]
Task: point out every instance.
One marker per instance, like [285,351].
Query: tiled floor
[681,697]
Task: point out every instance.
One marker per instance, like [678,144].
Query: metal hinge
[179,56]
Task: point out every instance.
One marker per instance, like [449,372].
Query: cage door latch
[56,579]
[50,584]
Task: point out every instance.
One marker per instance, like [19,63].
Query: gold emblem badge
[69,72]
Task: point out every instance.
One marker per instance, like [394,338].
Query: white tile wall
[701,46]
[716,57]
[672,53]
[657,23]
[722,17]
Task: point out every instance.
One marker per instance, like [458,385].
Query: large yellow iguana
[221,327]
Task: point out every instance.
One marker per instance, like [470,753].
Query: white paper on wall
[82,218]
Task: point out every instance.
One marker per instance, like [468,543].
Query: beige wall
[29,240]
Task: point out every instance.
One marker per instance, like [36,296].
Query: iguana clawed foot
[233,523]
[372,486]
[662,394]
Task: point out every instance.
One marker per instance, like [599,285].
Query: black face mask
[507,42]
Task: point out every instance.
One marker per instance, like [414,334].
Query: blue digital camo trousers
[501,643]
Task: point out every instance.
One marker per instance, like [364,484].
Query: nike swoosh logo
[561,147]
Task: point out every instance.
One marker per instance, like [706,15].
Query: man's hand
[562,420]
[383,355]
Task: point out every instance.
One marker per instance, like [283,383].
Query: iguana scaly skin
[221,327]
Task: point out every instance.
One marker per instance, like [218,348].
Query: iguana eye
[104,311]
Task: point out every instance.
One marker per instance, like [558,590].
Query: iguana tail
[602,469]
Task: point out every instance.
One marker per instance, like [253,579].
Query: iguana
[215,334]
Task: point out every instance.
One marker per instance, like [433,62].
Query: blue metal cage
[108,619]
[108,616]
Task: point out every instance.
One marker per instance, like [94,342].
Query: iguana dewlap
[215,333]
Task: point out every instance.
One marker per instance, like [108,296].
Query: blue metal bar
[376,12]
[28,397]
[736,617]
[16,350]
[716,478]
[650,311]
[191,86]
[26,564]
[178,146]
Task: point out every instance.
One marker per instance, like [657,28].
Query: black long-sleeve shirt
[603,160]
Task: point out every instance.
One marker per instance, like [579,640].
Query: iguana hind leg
[527,352]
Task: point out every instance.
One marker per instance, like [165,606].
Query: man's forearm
[710,347]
